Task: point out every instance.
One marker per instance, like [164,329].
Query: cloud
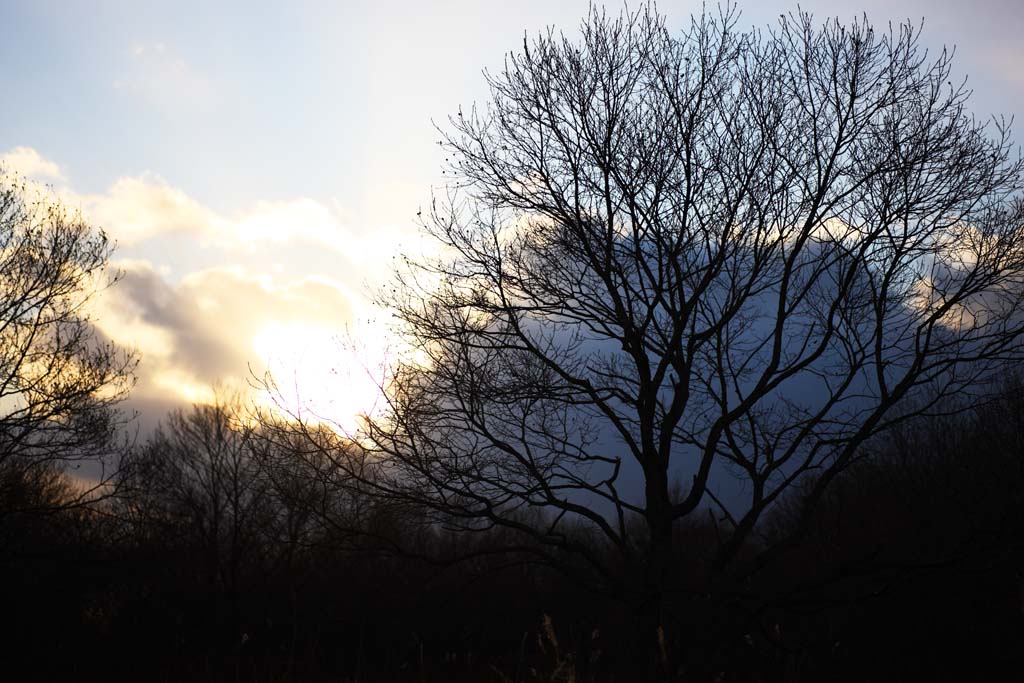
[136,209]
[29,163]
[210,298]
[201,332]
[297,220]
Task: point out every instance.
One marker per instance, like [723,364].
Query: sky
[261,165]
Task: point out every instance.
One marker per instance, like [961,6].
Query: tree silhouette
[195,485]
[60,381]
[728,258]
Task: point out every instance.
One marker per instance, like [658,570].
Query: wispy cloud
[159,74]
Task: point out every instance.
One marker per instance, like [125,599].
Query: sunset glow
[319,375]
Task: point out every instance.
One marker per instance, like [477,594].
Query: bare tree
[322,483]
[60,380]
[714,255]
[196,484]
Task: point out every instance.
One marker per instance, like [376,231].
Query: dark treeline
[220,558]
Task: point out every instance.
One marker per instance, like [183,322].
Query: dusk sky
[260,166]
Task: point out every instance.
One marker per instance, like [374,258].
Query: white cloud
[29,163]
[287,221]
[136,209]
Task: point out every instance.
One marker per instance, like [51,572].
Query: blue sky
[260,164]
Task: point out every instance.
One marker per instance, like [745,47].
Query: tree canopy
[60,379]
[696,252]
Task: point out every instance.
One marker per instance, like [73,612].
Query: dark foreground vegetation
[213,565]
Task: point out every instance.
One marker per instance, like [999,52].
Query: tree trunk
[654,641]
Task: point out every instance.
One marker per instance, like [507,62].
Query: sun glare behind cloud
[320,375]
